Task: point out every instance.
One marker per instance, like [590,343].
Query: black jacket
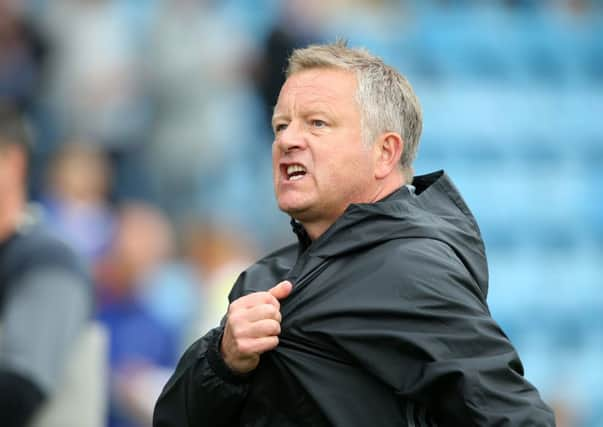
[387,325]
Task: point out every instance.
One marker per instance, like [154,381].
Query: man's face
[320,164]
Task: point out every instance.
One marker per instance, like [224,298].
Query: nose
[291,138]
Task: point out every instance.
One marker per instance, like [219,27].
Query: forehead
[318,86]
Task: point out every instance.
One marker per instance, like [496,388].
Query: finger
[263,311]
[255,298]
[258,345]
[281,290]
[263,328]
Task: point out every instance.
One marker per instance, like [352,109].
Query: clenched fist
[252,327]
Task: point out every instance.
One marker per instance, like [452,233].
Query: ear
[388,150]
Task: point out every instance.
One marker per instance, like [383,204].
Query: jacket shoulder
[430,266]
[35,248]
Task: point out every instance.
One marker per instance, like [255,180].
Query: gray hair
[386,99]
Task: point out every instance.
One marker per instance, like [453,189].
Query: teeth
[295,177]
[295,168]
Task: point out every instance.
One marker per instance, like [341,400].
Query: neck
[316,229]
[382,190]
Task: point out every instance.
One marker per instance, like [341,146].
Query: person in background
[94,85]
[217,253]
[45,295]
[377,316]
[142,349]
[24,54]
[76,198]
[197,82]
[299,24]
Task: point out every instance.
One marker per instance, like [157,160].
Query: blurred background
[152,159]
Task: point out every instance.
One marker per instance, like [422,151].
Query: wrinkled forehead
[319,86]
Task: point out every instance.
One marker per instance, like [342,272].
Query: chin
[293,211]
[296,210]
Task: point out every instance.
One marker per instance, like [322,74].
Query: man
[44,295]
[378,315]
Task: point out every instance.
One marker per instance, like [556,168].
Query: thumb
[281,290]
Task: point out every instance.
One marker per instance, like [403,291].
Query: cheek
[334,176]
[350,165]
[275,160]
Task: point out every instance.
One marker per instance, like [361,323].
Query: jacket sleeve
[43,315]
[202,391]
[442,349]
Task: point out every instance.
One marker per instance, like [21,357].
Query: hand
[252,327]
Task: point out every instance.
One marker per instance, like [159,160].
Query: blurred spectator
[174,296]
[218,254]
[565,415]
[141,347]
[76,198]
[95,85]
[44,292]
[298,25]
[23,54]
[203,117]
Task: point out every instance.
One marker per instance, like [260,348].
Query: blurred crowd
[152,156]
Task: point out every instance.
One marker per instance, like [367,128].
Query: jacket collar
[436,211]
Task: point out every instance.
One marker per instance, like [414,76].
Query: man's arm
[471,375]
[211,380]
[443,349]
[202,390]
[43,315]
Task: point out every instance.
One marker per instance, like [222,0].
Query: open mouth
[295,172]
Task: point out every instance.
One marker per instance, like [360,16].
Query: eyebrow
[318,108]
[277,116]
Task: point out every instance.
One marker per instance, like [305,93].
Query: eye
[280,127]
[319,123]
